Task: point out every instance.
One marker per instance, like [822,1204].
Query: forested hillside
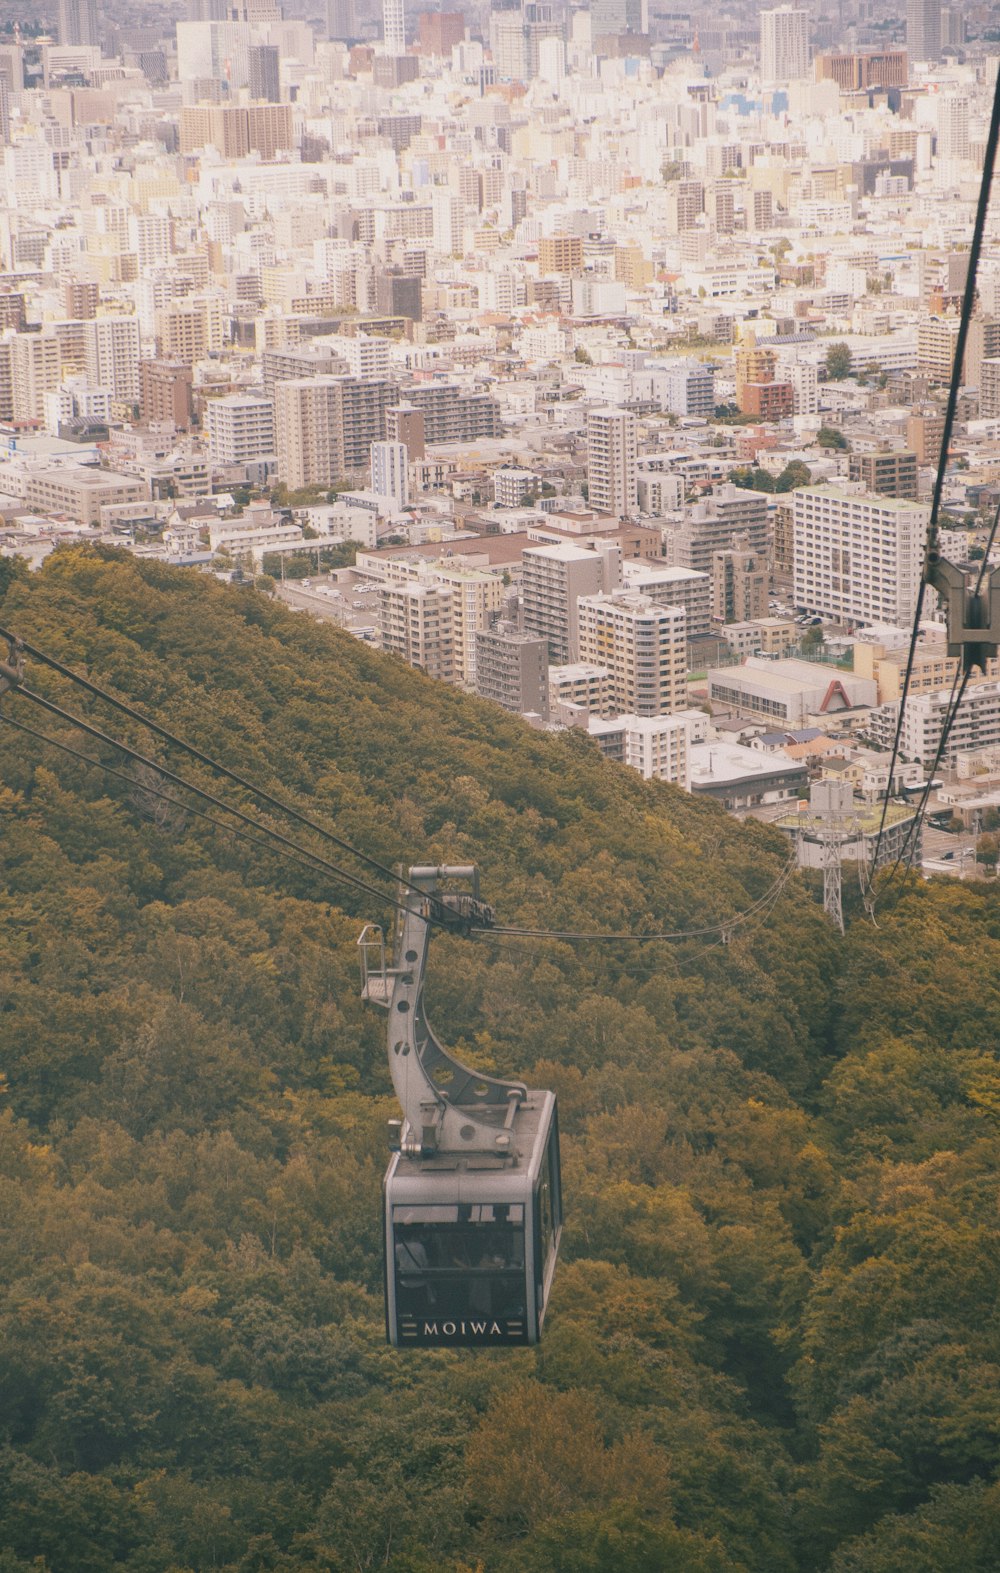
[774,1340]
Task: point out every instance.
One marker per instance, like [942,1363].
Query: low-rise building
[81,492]
[740,778]
[786,693]
[657,746]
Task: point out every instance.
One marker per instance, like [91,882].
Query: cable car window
[465,1260]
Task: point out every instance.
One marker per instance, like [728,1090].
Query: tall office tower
[208,10]
[612,454]
[516,35]
[78,22]
[265,75]
[340,19]
[4,111]
[393,27]
[112,350]
[388,467]
[611,18]
[923,29]
[784,44]
[642,644]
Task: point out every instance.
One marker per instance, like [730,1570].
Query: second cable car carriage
[472,1199]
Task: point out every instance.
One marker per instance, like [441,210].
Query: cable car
[472,1202]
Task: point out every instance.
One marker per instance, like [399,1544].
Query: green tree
[839,361]
[831,437]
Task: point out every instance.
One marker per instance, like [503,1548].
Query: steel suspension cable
[933,529]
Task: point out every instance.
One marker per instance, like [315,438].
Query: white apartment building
[389,472]
[240,429]
[976,726]
[856,558]
[112,356]
[657,746]
[673,587]
[644,647]
[804,379]
[612,452]
[784,44]
[365,355]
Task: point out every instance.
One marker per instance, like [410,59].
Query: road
[961,864]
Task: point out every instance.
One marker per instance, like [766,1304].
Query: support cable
[306,859]
[208,797]
[205,759]
[931,553]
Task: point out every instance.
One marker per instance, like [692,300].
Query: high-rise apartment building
[405,423]
[365,354]
[711,525]
[240,429]
[166,392]
[784,44]
[643,646]
[112,356]
[453,413]
[417,624]
[512,669]
[191,328]
[953,126]
[857,558]
[80,298]
[740,581]
[612,454]
[309,430]
[36,369]
[923,29]
[553,578]
[560,253]
[389,472]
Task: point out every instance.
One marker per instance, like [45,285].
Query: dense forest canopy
[773,1343]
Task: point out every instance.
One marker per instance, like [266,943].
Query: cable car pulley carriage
[472,1201]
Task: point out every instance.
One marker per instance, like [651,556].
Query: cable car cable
[933,531]
[578,936]
[948,721]
[342,875]
[197,753]
[209,797]
[306,859]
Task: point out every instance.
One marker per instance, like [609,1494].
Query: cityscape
[592,359]
[500,787]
